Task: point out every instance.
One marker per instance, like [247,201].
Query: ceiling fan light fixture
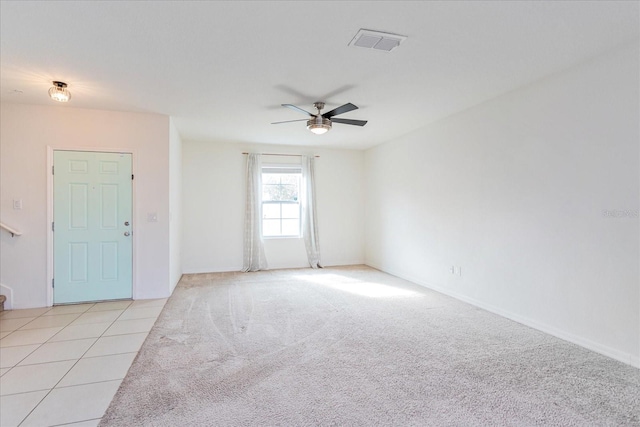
[59,92]
[319,125]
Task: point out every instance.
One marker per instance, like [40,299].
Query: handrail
[13,231]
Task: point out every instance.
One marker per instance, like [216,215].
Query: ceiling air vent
[377,40]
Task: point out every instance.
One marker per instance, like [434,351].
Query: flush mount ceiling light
[59,92]
[377,40]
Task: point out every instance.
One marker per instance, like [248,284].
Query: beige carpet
[355,347]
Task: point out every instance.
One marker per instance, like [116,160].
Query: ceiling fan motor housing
[319,124]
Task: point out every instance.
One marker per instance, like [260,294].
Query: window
[281,201]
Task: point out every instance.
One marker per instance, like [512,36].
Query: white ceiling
[222,69]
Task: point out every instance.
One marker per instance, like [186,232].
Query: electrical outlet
[453,269]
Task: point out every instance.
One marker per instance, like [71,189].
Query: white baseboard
[621,356]
[7,292]
[231,269]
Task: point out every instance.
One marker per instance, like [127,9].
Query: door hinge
[53,226]
[52,170]
[131,177]
[53,283]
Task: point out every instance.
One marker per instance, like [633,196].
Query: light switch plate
[17,204]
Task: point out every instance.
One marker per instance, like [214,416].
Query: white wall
[26,132]
[175,206]
[213,209]
[514,191]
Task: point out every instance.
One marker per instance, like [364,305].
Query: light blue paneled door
[92,199]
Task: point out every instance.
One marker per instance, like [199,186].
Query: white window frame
[283,169]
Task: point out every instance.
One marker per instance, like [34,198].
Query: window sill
[281,237]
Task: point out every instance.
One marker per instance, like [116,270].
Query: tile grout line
[21,360]
[75,422]
[39,316]
[68,360]
[49,392]
[67,386]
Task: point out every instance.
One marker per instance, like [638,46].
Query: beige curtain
[309,216]
[254,258]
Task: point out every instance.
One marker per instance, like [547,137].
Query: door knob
[126,223]
[126,233]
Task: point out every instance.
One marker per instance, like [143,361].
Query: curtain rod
[287,155]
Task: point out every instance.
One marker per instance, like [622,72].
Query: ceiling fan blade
[340,110]
[350,122]
[289,121]
[293,107]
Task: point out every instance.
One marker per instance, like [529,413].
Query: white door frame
[50,253]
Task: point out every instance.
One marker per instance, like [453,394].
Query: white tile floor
[63,365]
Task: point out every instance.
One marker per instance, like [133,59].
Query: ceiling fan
[321,123]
